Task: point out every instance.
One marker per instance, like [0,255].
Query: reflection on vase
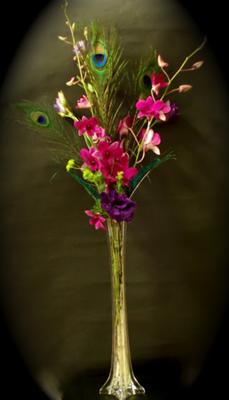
[121,382]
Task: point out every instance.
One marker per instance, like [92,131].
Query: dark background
[15,379]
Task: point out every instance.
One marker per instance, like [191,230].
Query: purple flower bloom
[118,206]
[173,114]
[61,104]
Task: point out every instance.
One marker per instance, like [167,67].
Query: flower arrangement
[111,162]
[117,133]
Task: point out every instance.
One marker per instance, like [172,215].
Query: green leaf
[145,170]
[87,186]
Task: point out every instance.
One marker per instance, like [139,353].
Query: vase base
[122,392]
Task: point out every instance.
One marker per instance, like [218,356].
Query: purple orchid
[173,114]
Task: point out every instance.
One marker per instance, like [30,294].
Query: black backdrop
[16,18]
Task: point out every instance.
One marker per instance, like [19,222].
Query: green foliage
[94,177]
[144,171]
[87,186]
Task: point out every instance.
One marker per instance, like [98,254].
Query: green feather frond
[87,186]
[144,171]
[59,134]
[105,81]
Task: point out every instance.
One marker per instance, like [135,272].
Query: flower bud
[184,88]
[161,62]
[62,38]
[197,64]
[70,165]
[71,82]
[88,175]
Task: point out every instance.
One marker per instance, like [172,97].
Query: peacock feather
[140,79]
[99,57]
[59,135]
[106,71]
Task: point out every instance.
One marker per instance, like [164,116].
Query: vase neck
[121,360]
[121,382]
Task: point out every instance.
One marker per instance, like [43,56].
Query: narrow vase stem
[121,382]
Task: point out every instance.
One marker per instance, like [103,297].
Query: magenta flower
[83,102]
[90,158]
[113,159]
[145,107]
[90,127]
[96,219]
[109,159]
[149,108]
[110,152]
[122,165]
[160,108]
[158,82]
[124,124]
[150,141]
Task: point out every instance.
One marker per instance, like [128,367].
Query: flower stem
[182,66]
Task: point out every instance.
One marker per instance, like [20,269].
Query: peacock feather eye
[40,118]
[146,80]
[99,56]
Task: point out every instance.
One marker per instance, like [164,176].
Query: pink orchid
[158,82]
[109,159]
[124,124]
[123,166]
[145,107]
[96,219]
[149,108]
[113,159]
[150,141]
[90,127]
[90,158]
[160,108]
[110,152]
[83,102]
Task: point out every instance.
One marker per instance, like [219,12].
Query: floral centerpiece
[110,162]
